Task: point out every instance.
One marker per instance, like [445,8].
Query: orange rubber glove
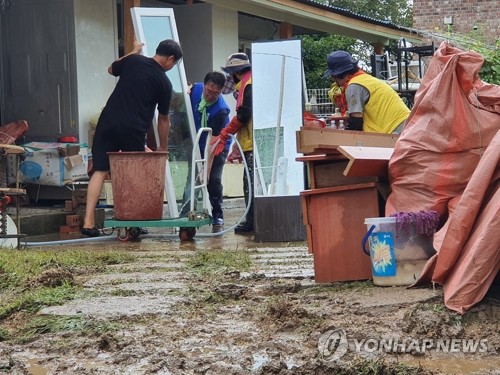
[219,142]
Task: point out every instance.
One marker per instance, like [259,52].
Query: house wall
[196,41]
[484,14]
[96,48]
[207,50]
[225,23]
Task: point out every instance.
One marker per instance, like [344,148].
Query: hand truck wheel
[123,234]
[135,232]
[187,234]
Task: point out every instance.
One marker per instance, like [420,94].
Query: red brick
[68,205]
[429,15]
[69,229]
[73,220]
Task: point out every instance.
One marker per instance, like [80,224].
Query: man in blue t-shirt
[123,124]
[210,110]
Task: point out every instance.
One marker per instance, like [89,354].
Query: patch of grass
[125,292]
[471,317]
[338,287]
[381,367]
[278,307]
[210,298]
[4,334]
[219,262]
[205,302]
[205,298]
[451,317]
[16,267]
[285,313]
[33,279]
[32,300]
[439,308]
[58,324]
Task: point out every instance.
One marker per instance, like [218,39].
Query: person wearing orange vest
[238,67]
[372,104]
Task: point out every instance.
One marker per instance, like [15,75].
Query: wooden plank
[315,157]
[13,191]
[305,217]
[310,245]
[366,161]
[335,189]
[128,27]
[11,149]
[313,139]
[286,30]
[335,155]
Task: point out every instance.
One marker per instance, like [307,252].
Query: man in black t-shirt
[129,112]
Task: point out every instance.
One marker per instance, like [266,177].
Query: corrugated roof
[348,13]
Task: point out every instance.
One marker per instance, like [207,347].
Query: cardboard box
[44,165]
[69,150]
[74,161]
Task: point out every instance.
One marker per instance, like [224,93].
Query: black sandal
[91,232]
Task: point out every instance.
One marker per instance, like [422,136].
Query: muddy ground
[161,315]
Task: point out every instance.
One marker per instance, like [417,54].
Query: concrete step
[36,221]
[40,220]
[38,224]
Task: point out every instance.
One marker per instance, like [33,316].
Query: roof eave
[322,18]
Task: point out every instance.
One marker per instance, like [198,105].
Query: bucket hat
[338,63]
[236,62]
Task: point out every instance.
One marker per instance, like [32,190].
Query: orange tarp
[447,160]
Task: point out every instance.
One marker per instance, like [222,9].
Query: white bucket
[397,258]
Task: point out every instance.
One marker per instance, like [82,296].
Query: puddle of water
[458,366]
[259,360]
[35,369]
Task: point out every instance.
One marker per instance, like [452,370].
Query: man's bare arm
[137,48]
[163,129]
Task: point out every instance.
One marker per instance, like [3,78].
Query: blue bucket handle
[365,239]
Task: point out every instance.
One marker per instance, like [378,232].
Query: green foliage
[315,48]
[397,12]
[475,41]
[490,71]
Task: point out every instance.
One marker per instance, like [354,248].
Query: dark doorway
[38,67]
